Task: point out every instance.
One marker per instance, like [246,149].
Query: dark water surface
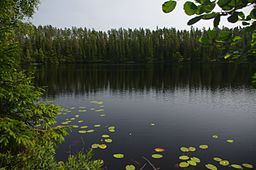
[186,103]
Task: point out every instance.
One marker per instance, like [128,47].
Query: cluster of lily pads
[186,160]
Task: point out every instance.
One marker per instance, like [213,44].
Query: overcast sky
[107,14]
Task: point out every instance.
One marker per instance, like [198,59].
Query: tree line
[47,44]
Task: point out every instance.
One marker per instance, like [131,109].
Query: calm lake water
[157,106]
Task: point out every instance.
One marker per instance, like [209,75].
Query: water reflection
[83,79]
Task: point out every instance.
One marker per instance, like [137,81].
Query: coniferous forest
[47,44]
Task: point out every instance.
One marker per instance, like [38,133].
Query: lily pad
[156,156]
[215,136]
[65,123]
[75,126]
[90,131]
[230,141]
[211,167]
[118,155]
[224,162]
[82,107]
[82,131]
[72,118]
[195,159]
[246,165]
[77,116]
[102,146]
[102,115]
[203,147]
[82,111]
[92,108]
[84,127]
[184,157]
[112,130]
[99,110]
[192,149]
[80,121]
[97,125]
[217,159]
[192,163]
[184,149]
[129,167]
[183,165]
[95,146]
[105,136]
[108,140]
[236,166]
[159,150]
[111,127]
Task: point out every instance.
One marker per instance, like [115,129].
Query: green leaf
[236,38]
[194,20]
[190,8]
[233,18]
[216,21]
[227,56]
[169,6]
[211,167]
[209,16]
[129,167]
[183,164]
[253,13]
[203,147]
[224,163]
[223,3]
[212,34]
[184,157]
[246,165]
[156,156]
[118,155]
[236,166]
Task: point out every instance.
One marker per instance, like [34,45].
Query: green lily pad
[108,140]
[82,131]
[102,115]
[230,141]
[97,125]
[215,136]
[236,166]
[92,108]
[90,131]
[195,159]
[118,155]
[84,127]
[111,127]
[203,147]
[129,167]
[211,167]
[192,163]
[159,150]
[156,156]
[72,118]
[72,108]
[246,165]
[82,107]
[192,149]
[65,123]
[184,149]
[80,121]
[75,126]
[183,165]
[95,146]
[103,146]
[217,159]
[105,136]
[99,110]
[184,157]
[82,111]
[224,162]
[77,116]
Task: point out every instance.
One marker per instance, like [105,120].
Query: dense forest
[47,44]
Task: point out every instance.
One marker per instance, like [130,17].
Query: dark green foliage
[51,45]
[169,6]
[23,144]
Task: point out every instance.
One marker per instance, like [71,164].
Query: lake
[156,106]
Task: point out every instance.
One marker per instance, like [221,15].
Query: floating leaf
[100,110]
[224,163]
[112,130]
[184,149]
[192,149]
[203,146]
[97,125]
[118,155]
[92,108]
[102,115]
[77,116]
[236,166]
[246,165]
[159,150]
[75,126]
[211,167]
[111,127]
[108,140]
[183,165]
[65,123]
[184,157]
[95,146]
[129,167]
[82,111]
[230,141]
[103,146]
[192,163]
[82,107]
[90,131]
[82,131]
[84,127]
[217,159]
[72,108]
[80,121]
[215,136]
[105,136]
[195,159]
[72,118]
[156,156]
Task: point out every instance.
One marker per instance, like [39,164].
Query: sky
[107,14]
